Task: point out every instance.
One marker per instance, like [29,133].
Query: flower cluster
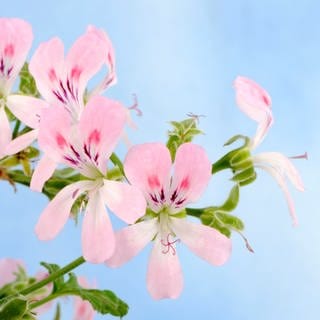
[78,129]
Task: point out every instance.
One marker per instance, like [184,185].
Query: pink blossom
[86,146]
[167,196]
[15,41]
[255,102]
[8,269]
[83,309]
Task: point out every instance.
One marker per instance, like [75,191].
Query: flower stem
[194,212]
[53,276]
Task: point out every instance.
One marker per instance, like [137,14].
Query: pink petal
[147,166]
[281,164]
[164,275]
[54,133]
[98,241]
[5,136]
[56,214]
[207,243]
[22,142]
[26,109]
[15,41]
[101,126]
[255,102]
[111,78]
[43,171]
[8,268]
[131,240]
[279,177]
[126,201]
[46,66]
[83,309]
[192,171]
[86,57]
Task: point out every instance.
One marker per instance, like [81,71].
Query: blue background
[179,57]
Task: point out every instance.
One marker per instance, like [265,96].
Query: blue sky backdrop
[182,56]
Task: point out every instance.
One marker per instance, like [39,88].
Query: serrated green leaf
[13,308]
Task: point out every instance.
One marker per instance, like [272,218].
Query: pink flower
[167,196]
[15,41]
[62,81]
[83,309]
[8,269]
[86,147]
[255,102]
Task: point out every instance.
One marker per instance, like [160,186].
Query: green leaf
[52,268]
[27,83]
[182,132]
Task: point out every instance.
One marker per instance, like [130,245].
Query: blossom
[8,269]
[86,146]
[62,80]
[83,310]
[15,41]
[255,102]
[167,197]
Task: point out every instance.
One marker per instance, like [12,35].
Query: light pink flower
[167,196]
[62,80]
[83,309]
[8,268]
[15,41]
[255,102]
[86,147]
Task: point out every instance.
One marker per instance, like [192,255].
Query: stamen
[169,244]
[195,117]
[301,156]
[135,106]
[245,241]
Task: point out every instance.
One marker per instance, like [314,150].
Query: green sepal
[232,201]
[13,308]
[57,315]
[27,84]
[182,132]
[209,220]
[246,140]
[245,175]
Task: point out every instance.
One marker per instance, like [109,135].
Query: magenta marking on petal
[174,195]
[162,196]
[9,51]
[266,100]
[185,183]
[76,153]
[61,141]
[9,71]
[96,158]
[58,95]
[94,137]
[154,198]
[1,65]
[169,245]
[52,75]
[86,151]
[71,160]
[153,182]
[63,89]
[75,73]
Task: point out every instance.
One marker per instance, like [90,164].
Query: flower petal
[147,166]
[164,275]
[26,109]
[46,66]
[54,133]
[5,136]
[8,268]
[43,171]
[207,243]
[126,201]
[86,57]
[101,126]
[192,171]
[22,142]
[281,164]
[279,177]
[56,214]
[98,241]
[131,240]
[255,102]
[15,41]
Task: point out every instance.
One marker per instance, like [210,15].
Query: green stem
[16,129]
[53,276]
[44,301]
